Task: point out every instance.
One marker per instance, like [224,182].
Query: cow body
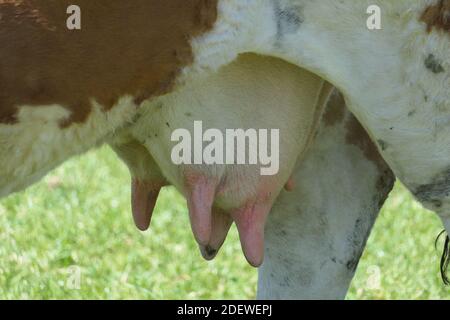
[316,233]
[253,92]
[395,80]
[400,95]
[63,92]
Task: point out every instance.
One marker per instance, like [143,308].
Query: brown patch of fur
[132,48]
[437,16]
[357,135]
[335,110]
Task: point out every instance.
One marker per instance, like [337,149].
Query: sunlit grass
[76,225]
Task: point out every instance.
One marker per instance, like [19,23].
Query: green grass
[76,225]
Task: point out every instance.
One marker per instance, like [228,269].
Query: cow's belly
[37,142]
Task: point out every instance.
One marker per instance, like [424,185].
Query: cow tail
[445,259]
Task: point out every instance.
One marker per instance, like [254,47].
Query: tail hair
[445,259]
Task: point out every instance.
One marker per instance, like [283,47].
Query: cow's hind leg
[316,234]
